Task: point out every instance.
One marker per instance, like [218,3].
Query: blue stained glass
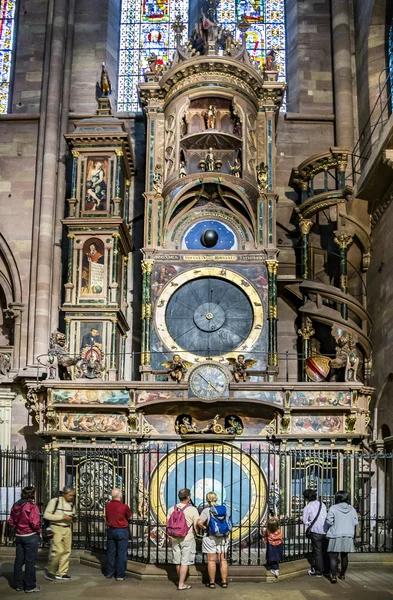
[145,28]
[7,23]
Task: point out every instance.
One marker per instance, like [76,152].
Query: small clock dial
[209,381]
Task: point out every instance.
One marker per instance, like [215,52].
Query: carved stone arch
[10,301]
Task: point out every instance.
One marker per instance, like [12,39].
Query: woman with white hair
[217,526]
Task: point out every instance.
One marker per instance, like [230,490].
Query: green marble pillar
[272,267]
[343,240]
[147,267]
[304,226]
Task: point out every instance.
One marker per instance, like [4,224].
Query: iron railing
[253,478]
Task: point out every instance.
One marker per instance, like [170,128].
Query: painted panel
[91,396]
[320,398]
[93,423]
[96,191]
[271,396]
[317,424]
[158,396]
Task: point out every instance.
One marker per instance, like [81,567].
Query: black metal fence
[252,478]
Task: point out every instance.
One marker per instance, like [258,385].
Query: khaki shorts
[215,545]
[183,551]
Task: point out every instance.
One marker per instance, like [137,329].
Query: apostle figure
[210,160]
[210,117]
[236,168]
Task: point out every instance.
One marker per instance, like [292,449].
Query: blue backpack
[220,523]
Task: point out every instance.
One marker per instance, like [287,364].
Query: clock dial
[209,316]
[208,381]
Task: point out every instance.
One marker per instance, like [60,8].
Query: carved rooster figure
[105,84]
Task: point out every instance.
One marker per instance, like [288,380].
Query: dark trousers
[117,546]
[26,554]
[333,557]
[320,557]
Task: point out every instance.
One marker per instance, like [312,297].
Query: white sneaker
[38,588]
[275,572]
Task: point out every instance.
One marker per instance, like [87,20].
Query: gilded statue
[240,367]
[262,176]
[58,348]
[210,117]
[105,83]
[177,368]
[210,160]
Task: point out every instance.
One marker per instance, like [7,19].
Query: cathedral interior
[195,207]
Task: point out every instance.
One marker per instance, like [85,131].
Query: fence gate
[253,479]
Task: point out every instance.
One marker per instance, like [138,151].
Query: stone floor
[88,583]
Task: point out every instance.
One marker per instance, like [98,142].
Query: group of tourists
[331,534]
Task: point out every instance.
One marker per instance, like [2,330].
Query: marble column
[343,81]
[304,226]
[306,333]
[272,267]
[147,267]
[343,240]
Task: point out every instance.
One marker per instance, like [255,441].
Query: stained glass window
[7,22]
[267,27]
[390,59]
[145,29]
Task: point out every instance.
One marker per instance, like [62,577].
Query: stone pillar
[304,226]
[343,82]
[49,181]
[272,267]
[343,240]
[147,267]
[6,398]
[306,333]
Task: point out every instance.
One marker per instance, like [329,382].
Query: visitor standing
[340,525]
[217,526]
[273,540]
[117,515]
[314,516]
[60,513]
[25,519]
[182,521]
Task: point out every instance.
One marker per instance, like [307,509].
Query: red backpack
[176,525]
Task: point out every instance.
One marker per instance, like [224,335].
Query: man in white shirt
[313,509]
[184,548]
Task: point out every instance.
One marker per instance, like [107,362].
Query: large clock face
[209,312]
[208,381]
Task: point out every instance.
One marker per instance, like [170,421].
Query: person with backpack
[60,513]
[273,540]
[26,520]
[181,528]
[314,515]
[340,526]
[217,525]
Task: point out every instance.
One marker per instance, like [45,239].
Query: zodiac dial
[209,382]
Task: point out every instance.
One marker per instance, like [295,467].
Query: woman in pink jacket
[25,519]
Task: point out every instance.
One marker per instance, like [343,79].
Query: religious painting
[317,424]
[96,191]
[94,423]
[160,276]
[151,396]
[320,398]
[91,335]
[271,397]
[93,268]
[91,396]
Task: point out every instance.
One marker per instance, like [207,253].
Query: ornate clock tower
[210,256]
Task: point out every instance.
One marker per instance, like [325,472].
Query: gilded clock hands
[209,383]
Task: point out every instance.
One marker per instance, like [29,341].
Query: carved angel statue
[177,367]
[240,367]
[105,83]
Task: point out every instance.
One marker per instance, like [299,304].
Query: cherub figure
[240,367]
[177,368]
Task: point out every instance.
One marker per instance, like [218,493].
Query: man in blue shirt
[318,536]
